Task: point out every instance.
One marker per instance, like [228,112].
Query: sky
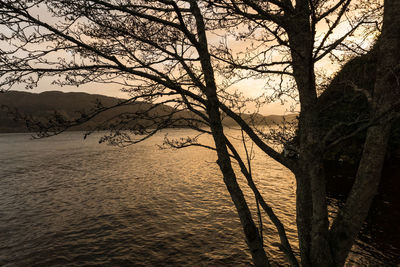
[250,87]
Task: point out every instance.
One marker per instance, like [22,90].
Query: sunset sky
[250,87]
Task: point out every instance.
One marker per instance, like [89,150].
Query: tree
[159,52]
[293,27]
[386,90]
[154,49]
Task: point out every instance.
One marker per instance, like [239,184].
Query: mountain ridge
[71,105]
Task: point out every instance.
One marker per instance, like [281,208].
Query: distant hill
[72,105]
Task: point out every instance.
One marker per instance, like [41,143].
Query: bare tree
[159,52]
[290,29]
[385,95]
[156,50]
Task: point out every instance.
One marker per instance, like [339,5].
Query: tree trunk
[250,230]
[304,205]
[312,215]
[312,171]
[303,216]
[351,217]
[349,221]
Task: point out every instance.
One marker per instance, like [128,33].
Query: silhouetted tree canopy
[185,53]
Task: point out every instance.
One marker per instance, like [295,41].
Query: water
[65,201]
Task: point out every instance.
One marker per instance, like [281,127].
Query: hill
[343,103]
[72,106]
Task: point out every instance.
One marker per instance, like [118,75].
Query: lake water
[65,201]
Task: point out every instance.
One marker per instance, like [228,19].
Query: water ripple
[65,202]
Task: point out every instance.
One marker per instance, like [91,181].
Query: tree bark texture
[303,181]
[312,215]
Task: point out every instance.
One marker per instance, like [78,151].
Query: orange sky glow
[250,87]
